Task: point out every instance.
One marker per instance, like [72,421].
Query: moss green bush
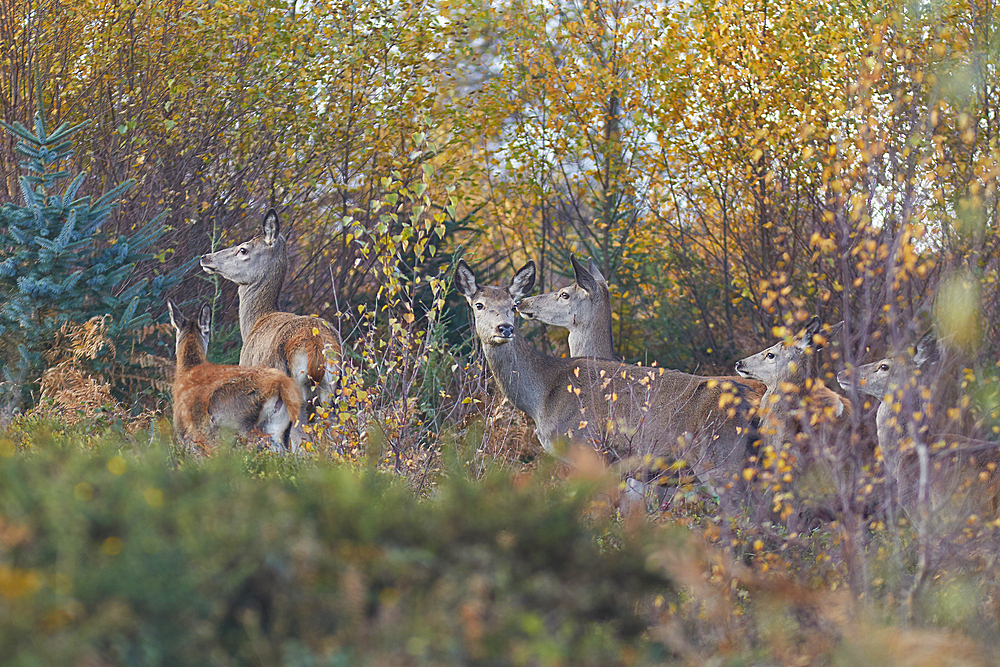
[118,552]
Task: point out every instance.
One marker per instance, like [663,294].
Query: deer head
[787,361]
[493,308]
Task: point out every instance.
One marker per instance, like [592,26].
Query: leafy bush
[121,553]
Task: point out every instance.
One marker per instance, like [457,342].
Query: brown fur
[209,398]
[293,344]
[287,334]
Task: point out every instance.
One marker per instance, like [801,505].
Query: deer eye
[243,250]
[564,295]
[769,355]
[479,305]
[884,367]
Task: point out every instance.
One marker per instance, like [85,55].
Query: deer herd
[773,420]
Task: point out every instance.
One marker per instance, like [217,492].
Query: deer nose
[844,379]
[739,364]
[506,330]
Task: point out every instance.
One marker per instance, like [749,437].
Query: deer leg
[298,370]
[276,422]
[326,387]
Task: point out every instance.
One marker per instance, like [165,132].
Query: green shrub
[124,554]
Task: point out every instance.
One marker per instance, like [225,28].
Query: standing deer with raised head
[947,477]
[294,344]
[904,383]
[891,380]
[804,425]
[793,400]
[211,398]
[624,411]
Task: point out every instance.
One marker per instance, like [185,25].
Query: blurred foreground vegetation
[116,549]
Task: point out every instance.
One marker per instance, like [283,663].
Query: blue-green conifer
[58,265]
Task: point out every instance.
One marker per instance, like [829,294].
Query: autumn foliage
[733,168]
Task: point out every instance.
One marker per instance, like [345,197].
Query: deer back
[285,340]
[211,397]
[633,411]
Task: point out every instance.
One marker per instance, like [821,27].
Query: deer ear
[927,351]
[522,282]
[272,227]
[584,278]
[805,338]
[205,319]
[465,280]
[176,316]
[596,271]
[828,335]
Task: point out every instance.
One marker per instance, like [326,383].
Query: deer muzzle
[844,379]
[207,265]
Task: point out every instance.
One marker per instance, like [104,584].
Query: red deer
[210,399]
[624,411]
[945,462]
[887,380]
[804,426]
[294,344]
[793,401]
[585,309]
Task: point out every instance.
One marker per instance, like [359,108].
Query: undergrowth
[116,547]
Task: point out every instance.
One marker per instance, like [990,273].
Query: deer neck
[777,397]
[190,353]
[592,341]
[591,344]
[259,299]
[595,338]
[521,373]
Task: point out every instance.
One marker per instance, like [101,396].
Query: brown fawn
[210,399]
[294,344]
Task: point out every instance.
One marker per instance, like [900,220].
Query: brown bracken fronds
[73,393]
